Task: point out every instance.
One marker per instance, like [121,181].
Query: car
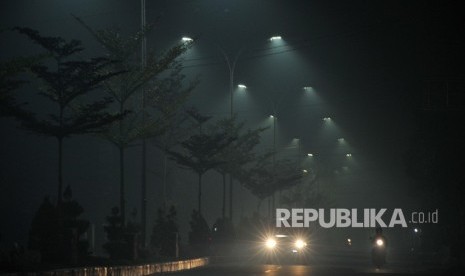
[285,246]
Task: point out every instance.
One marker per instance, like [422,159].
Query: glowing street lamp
[275,38]
[349,154]
[307,88]
[310,154]
[242,86]
[327,119]
[186,39]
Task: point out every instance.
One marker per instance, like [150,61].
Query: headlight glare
[300,244]
[270,243]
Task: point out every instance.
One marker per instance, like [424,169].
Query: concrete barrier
[135,270]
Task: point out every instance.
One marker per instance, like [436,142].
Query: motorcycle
[378,252]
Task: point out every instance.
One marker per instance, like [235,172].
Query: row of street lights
[244,87]
[231,65]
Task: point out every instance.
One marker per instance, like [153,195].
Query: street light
[310,154]
[349,154]
[327,119]
[186,39]
[275,38]
[242,86]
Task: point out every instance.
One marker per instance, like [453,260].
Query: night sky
[366,61]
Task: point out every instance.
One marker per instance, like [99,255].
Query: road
[341,263]
[244,269]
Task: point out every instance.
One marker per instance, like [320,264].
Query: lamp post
[143,216]
[231,65]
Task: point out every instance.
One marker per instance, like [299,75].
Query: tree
[236,155]
[201,155]
[56,231]
[44,233]
[116,246]
[65,83]
[163,94]
[264,180]
[10,81]
[199,235]
[165,233]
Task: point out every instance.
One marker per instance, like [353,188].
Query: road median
[133,270]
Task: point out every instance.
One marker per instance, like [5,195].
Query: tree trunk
[259,204]
[230,197]
[199,197]
[165,165]
[224,195]
[122,201]
[143,207]
[60,170]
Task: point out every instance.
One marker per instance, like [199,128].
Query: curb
[146,269]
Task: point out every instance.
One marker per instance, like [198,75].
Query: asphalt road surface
[342,263]
[293,270]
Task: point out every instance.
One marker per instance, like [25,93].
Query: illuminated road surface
[290,270]
[345,264]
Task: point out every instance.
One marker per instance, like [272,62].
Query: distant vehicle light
[379,242]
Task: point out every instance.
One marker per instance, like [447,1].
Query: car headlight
[270,243]
[300,244]
[379,242]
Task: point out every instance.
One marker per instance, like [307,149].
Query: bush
[165,238]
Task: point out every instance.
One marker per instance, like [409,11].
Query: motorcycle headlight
[379,242]
[300,244]
[270,243]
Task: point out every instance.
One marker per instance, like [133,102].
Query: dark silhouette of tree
[165,233]
[198,118]
[121,237]
[264,179]
[116,246]
[11,80]
[201,154]
[237,155]
[56,231]
[65,82]
[200,234]
[44,233]
[158,82]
